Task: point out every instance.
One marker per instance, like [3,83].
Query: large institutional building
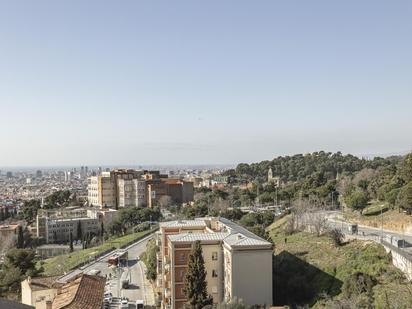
[128,187]
[238,263]
[55,226]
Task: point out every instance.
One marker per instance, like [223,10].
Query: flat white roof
[183,223]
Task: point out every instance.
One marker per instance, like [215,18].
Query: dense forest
[326,179]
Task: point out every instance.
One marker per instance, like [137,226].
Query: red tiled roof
[84,292]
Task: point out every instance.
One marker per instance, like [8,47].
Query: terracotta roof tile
[84,292]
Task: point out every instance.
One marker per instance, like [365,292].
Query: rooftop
[233,234]
[85,291]
[42,283]
[190,237]
[8,227]
[184,223]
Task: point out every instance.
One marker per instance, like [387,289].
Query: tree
[71,241]
[79,230]
[102,229]
[24,259]
[29,210]
[405,170]
[149,258]
[357,200]
[20,237]
[337,237]
[234,304]
[195,285]
[165,201]
[405,197]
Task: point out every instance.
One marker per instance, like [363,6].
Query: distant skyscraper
[39,174]
[9,175]
[67,176]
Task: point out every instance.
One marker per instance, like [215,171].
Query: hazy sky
[146,82]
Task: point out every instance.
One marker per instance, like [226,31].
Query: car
[106,294]
[106,306]
[124,304]
[108,299]
[139,304]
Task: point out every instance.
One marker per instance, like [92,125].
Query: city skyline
[190,83]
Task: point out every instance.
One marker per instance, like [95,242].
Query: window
[182,258]
[214,256]
[214,273]
[181,274]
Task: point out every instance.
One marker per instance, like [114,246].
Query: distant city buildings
[238,263]
[136,188]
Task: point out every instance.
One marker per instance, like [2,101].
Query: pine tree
[195,286]
[71,241]
[20,237]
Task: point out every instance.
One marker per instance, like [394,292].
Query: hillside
[307,267]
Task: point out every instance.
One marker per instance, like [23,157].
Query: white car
[124,304]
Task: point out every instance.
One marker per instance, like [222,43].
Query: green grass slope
[307,266]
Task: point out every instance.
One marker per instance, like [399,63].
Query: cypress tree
[195,285]
[102,229]
[71,241]
[79,230]
[20,237]
[1,214]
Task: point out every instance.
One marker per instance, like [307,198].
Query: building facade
[238,263]
[136,188]
[55,226]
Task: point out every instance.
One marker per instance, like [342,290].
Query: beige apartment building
[238,263]
[136,188]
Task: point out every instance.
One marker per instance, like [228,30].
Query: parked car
[139,304]
[124,304]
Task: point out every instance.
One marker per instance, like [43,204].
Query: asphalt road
[336,222]
[137,289]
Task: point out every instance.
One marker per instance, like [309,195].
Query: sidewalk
[148,292]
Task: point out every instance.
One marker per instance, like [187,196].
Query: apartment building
[136,188]
[101,191]
[238,263]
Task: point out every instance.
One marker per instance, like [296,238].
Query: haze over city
[200,83]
